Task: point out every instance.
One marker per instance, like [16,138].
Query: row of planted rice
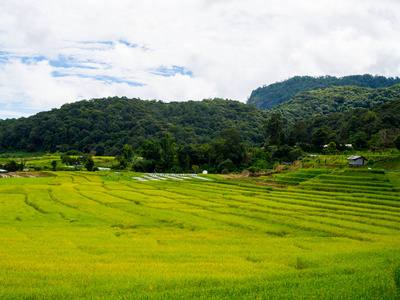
[157,239]
[294,178]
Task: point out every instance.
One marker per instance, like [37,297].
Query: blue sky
[54,52]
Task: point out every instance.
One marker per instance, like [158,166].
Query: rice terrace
[325,234]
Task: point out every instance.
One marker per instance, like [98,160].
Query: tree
[319,138]
[295,154]
[167,151]
[196,169]
[89,164]
[123,163]
[299,131]
[66,159]
[360,139]
[186,157]
[225,165]
[127,151]
[151,150]
[12,166]
[232,146]
[274,128]
[54,164]
[396,141]
[331,148]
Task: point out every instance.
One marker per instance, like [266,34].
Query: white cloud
[56,52]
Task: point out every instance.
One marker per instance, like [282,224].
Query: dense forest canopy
[214,134]
[105,125]
[267,97]
[375,128]
[310,104]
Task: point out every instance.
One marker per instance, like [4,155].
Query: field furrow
[79,235]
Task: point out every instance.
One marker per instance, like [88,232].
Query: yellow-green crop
[85,236]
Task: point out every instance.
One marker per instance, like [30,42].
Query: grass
[106,236]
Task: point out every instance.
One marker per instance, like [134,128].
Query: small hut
[357,160]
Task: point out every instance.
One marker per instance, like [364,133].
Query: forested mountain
[215,135]
[374,128]
[105,125]
[335,99]
[267,97]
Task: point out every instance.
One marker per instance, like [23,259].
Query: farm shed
[356,160]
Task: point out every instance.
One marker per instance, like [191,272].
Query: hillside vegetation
[105,125]
[336,99]
[374,128]
[217,135]
[115,237]
[267,97]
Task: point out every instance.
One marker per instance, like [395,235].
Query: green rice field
[82,235]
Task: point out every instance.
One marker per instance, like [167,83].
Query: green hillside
[105,125]
[216,135]
[267,97]
[336,99]
[371,128]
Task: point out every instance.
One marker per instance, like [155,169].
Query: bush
[12,166]
[89,164]
[196,169]
[253,170]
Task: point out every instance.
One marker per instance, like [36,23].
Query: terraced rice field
[87,236]
[294,178]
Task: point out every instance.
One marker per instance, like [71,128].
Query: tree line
[269,96]
[103,126]
[214,134]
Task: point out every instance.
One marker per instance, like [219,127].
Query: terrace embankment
[326,235]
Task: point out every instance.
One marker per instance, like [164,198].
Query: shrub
[89,164]
[253,170]
[12,166]
[196,169]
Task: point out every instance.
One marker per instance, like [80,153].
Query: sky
[57,52]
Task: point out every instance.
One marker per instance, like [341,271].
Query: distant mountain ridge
[269,96]
[335,99]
